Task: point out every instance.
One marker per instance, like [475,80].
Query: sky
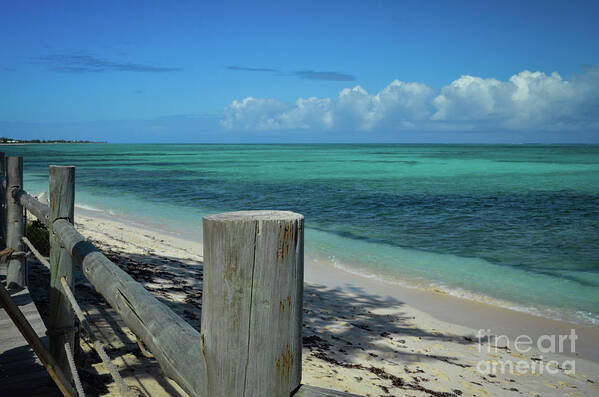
[309,71]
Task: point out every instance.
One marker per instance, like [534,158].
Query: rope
[36,253]
[124,389]
[71,360]
[98,347]
[8,254]
[142,348]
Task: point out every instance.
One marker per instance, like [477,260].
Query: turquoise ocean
[514,225]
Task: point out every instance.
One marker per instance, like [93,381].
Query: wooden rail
[250,341]
[97,345]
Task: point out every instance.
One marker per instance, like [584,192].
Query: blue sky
[364,71]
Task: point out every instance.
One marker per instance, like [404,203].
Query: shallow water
[514,225]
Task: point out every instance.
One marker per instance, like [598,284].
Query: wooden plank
[18,344]
[252,302]
[61,318]
[15,223]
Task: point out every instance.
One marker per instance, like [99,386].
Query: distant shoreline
[44,143]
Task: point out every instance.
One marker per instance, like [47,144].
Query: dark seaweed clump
[38,234]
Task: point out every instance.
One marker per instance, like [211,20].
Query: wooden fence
[250,339]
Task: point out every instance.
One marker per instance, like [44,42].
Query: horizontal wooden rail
[97,345]
[33,205]
[258,256]
[175,344]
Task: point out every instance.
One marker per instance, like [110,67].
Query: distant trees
[12,140]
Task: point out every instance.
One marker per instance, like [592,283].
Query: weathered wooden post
[252,303]
[2,201]
[15,223]
[62,320]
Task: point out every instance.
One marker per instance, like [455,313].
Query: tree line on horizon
[12,140]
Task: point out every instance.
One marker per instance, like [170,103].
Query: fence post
[61,320]
[2,201]
[15,223]
[252,303]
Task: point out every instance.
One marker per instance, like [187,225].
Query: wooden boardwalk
[21,372]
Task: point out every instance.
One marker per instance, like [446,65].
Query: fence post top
[257,215]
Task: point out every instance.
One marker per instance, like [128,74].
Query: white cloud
[526,101]
[398,104]
[253,113]
[311,113]
[470,98]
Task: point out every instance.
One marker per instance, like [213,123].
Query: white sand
[364,336]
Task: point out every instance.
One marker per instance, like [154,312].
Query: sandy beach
[360,335]
[400,198]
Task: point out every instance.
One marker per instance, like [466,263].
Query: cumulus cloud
[254,113]
[526,101]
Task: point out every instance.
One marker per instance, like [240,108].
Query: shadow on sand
[338,325]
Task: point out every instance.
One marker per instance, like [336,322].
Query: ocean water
[514,225]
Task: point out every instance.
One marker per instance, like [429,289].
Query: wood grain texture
[267,321]
[15,222]
[2,201]
[62,206]
[252,302]
[21,331]
[174,343]
[39,210]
